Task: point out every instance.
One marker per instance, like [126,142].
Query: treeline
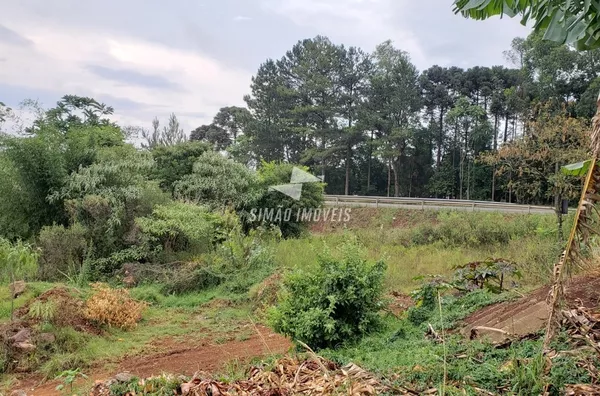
[373,124]
[93,205]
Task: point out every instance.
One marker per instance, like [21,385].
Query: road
[433,204]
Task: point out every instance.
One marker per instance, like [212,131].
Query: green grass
[533,255]
[412,243]
[401,351]
[33,290]
[184,323]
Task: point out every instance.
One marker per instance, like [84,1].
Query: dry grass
[113,307]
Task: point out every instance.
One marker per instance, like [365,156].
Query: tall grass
[434,245]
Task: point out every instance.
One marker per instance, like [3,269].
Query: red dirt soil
[182,358]
[529,314]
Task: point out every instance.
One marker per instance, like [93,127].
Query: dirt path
[181,358]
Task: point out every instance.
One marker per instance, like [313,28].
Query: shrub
[113,307]
[174,162]
[336,302]
[185,227]
[17,261]
[43,310]
[191,277]
[491,274]
[237,264]
[63,250]
[271,174]
[217,182]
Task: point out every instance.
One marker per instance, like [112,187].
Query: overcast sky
[148,58]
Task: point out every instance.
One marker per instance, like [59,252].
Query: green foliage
[171,163]
[426,298]
[217,182]
[571,22]
[108,195]
[185,227]
[238,263]
[14,220]
[18,261]
[466,229]
[68,377]
[44,311]
[63,250]
[37,164]
[491,274]
[336,302]
[167,136]
[553,140]
[158,386]
[272,174]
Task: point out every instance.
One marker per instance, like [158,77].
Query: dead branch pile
[583,325]
[289,376]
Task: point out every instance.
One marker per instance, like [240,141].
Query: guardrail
[433,203]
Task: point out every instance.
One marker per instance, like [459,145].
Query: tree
[438,99]
[108,195]
[354,84]
[395,100]
[4,112]
[172,163]
[212,134]
[39,164]
[217,182]
[565,22]
[554,141]
[471,137]
[233,120]
[73,110]
[269,106]
[169,135]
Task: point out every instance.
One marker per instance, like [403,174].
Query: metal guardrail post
[473,206]
[529,209]
[422,205]
[337,201]
[376,202]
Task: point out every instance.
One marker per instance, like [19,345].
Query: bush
[217,182]
[113,307]
[240,262]
[334,303]
[191,277]
[272,174]
[479,229]
[174,162]
[63,250]
[18,261]
[185,227]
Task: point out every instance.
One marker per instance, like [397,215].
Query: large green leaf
[556,30]
[577,169]
[563,21]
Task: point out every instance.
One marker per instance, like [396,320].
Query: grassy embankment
[412,243]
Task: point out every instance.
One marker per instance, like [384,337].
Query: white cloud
[59,59]
[428,30]
[241,18]
[364,23]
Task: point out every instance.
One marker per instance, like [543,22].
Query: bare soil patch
[180,358]
[529,314]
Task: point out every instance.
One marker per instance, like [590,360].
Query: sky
[149,58]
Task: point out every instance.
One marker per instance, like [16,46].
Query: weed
[68,377]
[43,310]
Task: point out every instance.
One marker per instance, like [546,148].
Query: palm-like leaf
[571,21]
[583,225]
